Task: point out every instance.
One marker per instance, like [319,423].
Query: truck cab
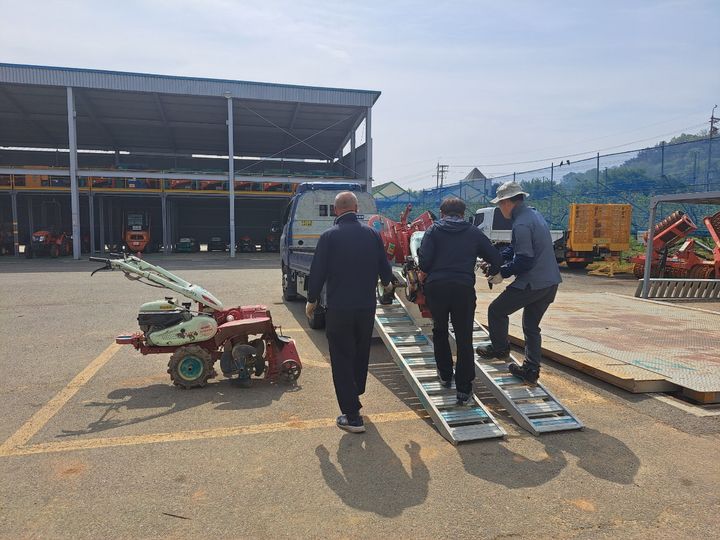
[309,214]
[499,229]
[494,225]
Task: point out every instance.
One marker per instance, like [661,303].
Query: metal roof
[158,113]
[707,197]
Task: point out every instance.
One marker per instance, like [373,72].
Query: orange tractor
[674,255]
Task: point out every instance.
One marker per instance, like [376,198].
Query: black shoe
[487,352]
[527,373]
[462,399]
[354,425]
[445,383]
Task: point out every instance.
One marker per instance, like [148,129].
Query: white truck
[498,229]
[310,213]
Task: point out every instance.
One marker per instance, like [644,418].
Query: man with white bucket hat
[531,259]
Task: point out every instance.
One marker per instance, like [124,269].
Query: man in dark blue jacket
[348,260]
[531,259]
[448,255]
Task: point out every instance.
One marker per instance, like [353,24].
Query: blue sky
[466,83]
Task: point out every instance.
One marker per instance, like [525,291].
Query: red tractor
[47,242]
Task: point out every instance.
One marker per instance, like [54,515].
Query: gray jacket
[531,257]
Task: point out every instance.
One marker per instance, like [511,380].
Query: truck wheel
[317,321]
[577,265]
[28,252]
[289,285]
[190,367]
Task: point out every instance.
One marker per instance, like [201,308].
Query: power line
[586,153]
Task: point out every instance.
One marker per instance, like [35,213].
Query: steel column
[368,149]
[110,222]
[31,223]
[231,172]
[649,249]
[353,159]
[16,232]
[163,205]
[101,218]
[74,191]
[91,217]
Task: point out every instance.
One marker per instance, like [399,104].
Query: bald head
[345,202]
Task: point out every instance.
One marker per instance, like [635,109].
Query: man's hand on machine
[496,279]
[310,308]
[390,287]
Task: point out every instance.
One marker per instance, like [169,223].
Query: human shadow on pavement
[224,394]
[601,455]
[495,462]
[370,477]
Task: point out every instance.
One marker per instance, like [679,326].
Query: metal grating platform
[638,345]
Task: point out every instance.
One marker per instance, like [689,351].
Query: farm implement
[243,338]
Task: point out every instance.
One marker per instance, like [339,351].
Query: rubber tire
[54,251]
[289,290]
[29,253]
[577,265]
[317,321]
[198,352]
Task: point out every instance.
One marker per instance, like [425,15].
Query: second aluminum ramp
[534,408]
[413,352]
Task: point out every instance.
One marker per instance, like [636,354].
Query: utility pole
[713,131]
[440,173]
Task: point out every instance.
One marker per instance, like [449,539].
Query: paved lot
[95,442]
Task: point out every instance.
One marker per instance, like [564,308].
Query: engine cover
[188,330]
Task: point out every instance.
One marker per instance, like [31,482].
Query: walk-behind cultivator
[243,338]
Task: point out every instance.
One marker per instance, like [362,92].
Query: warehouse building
[86,152]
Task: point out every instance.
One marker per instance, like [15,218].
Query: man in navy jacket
[448,255]
[348,260]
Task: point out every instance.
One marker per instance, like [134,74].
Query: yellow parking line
[194,435]
[43,416]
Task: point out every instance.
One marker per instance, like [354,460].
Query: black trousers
[349,332]
[456,302]
[535,304]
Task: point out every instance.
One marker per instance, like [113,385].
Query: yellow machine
[597,231]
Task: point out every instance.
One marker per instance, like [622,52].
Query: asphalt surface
[107,447]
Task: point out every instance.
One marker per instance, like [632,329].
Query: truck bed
[301,260]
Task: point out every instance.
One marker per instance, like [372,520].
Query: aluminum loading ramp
[413,352]
[533,408]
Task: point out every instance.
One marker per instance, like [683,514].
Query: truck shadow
[173,262]
[125,405]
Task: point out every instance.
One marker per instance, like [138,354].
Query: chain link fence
[626,177]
